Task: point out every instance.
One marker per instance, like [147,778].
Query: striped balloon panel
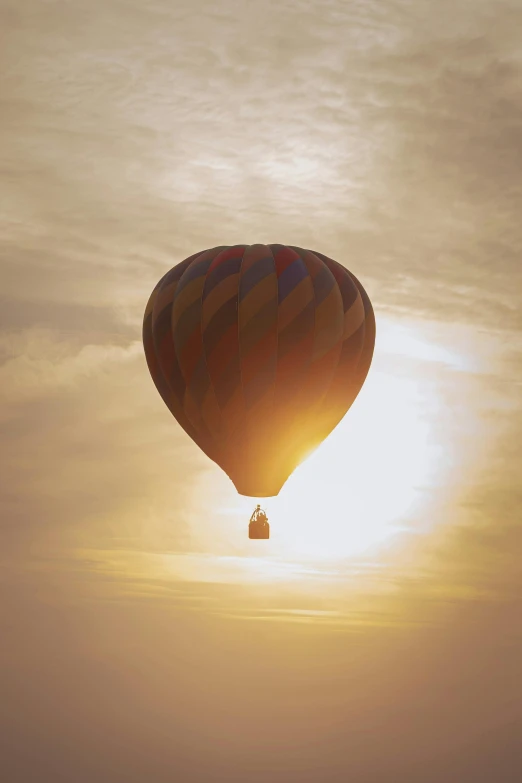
[162,332]
[163,344]
[153,364]
[257,324]
[219,318]
[366,355]
[295,326]
[328,331]
[172,400]
[161,325]
[165,348]
[357,349]
[200,404]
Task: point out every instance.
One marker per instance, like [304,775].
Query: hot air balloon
[258,351]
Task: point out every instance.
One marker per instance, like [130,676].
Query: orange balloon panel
[258,351]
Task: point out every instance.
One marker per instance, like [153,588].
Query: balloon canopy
[258,351]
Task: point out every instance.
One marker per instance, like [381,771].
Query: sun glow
[370,479]
[353,491]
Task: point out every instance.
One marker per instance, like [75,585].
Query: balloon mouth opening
[253,492]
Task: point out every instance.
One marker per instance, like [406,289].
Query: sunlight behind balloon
[353,491]
[367,482]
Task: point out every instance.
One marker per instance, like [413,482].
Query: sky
[377,635]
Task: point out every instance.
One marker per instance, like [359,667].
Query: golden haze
[376,636]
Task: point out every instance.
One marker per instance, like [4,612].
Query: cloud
[39,364]
[382,134]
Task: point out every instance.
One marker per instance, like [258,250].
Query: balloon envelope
[258,351]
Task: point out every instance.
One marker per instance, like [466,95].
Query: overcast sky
[141,640]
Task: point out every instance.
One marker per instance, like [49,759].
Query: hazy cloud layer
[388,134]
